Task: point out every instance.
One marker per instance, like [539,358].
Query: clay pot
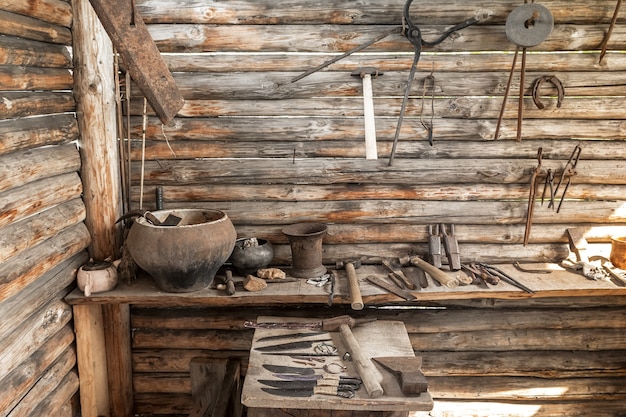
[185,257]
[618,252]
[305,240]
[96,277]
[247,257]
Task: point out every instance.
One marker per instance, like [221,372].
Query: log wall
[42,232]
[296,149]
[271,152]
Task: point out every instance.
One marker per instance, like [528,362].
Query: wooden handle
[364,366]
[436,273]
[355,291]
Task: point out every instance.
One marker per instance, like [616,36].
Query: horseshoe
[548,79]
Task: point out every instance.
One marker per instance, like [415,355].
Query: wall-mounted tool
[366,74]
[526,26]
[539,82]
[532,193]
[605,41]
[568,172]
[413,33]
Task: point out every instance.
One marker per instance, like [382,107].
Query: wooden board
[388,338]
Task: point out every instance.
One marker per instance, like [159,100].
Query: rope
[143,151]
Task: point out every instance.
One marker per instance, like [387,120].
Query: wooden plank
[21,202]
[33,230]
[100,171]
[53,11]
[214,383]
[26,268]
[212,340]
[92,363]
[18,383]
[17,51]
[13,24]
[28,133]
[452,408]
[448,12]
[117,333]
[140,56]
[32,334]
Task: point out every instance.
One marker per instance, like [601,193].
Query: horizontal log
[56,400]
[21,202]
[303,133]
[17,51]
[22,167]
[13,24]
[361,171]
[18,383]
[164,404]
[53,11]
[37,131]
[26,268]
[32,334]
[341,38]
[174,194]
[514,340]
[385,62]
[446,12]
[53,284]
[190,339]
[587,108]
[177,360]
[355,148]
[169,383]
[17,104]
[38,228]
[532,363]
[31,78]
[277,85]
[50,381]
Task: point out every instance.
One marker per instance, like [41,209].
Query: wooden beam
[95,103]
[118,348]
[140,55]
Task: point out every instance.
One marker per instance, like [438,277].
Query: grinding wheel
[529,25]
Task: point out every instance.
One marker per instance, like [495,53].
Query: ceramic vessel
[250,255]
[94,277]
[305,240]
[185,257]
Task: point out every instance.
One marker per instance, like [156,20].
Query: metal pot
[185,257]
[248,257]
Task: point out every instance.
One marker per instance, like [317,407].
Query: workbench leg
[92,361]
[118,351]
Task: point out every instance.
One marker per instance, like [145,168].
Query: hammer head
[361,72]
[342,264]
[332,324]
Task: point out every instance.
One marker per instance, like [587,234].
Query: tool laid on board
[504,276]
[366,74]
[291,345]
[451,246]
[395,270]
[364,366]
[387,286]
[434,245]
[356,301]
[307,392]
[408,370]
[435,273]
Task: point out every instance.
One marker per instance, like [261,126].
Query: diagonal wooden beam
[140,55]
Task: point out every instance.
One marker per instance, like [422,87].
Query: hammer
[353,283]
[364,365]
[368,109]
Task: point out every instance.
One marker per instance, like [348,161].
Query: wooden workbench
[377,338]
[103,330]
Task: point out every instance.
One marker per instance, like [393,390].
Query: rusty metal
[605,41]
[140,56]
[305,240]
[531,196]
[538,83]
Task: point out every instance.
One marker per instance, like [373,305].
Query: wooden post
[94,89]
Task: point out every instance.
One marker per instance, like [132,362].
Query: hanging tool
[428,126]
[569,170]
[356,301]
[548,183]
[413,33]
[532,195]
[366,74]
[605,41]
[538,83]
[526,26]
[451,246]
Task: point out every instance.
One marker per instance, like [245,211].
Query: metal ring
[327,368]
[325,348]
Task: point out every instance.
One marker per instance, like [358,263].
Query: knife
[283,369]
[291,345]
[290,336]
[310,384]
[308,392]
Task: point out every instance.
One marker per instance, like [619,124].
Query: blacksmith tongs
[413,33]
